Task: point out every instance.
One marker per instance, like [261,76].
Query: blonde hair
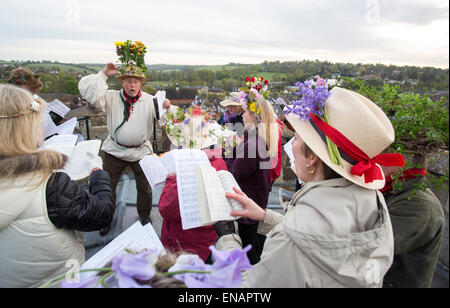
[21,135]
[268,127]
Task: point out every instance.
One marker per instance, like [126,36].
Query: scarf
[129,102]
[406,176]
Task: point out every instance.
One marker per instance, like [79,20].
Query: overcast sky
[400,32]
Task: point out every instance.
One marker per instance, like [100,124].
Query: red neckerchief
[366,165]
[130,101]
[406,175]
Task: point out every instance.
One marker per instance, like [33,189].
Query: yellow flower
[252,107]
[248,83]
[258,111]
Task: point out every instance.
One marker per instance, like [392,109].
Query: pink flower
[320,82]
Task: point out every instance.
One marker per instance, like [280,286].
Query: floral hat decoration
[346,130]
[190,128]
[252,95]
[132,57]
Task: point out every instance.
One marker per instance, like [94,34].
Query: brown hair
[20,136]
[328,173]
[23,77]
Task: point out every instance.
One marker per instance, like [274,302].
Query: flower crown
[35,106]
[253,94]
[22,79]
[132,56]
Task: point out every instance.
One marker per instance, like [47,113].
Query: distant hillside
[171,67]
[95,67]
[47,66]
[409,78]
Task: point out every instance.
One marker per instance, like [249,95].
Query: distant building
[181,97]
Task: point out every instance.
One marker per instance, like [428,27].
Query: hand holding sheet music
[211,188]
[79,165]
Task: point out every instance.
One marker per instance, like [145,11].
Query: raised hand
[251,209]
[111,70]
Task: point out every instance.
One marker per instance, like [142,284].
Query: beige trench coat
[334,234]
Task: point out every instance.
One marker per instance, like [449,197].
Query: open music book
[201,192]
[78,166]
[211,188]
[157,168]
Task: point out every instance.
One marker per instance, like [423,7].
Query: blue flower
[129,267]
[226,272]
[312,100]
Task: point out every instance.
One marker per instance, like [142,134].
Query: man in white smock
[130,115]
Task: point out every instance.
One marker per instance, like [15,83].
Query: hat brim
[315,142]
[227,103]
[121,77]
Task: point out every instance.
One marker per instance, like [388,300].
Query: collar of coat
[22,164]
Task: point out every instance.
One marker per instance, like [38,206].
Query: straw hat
[132,71]
[232,100]
[359,120]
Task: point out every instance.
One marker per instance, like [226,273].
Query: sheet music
[288,149]
[58,107]
[161,96]
[186,161]
[64,144]
[136,238]
[78,166]
[168,160]
[219,205]
[66,128]
[290,153]
[228,183]
[48,125]
[154,170]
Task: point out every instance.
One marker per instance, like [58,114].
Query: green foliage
[69,85]
[421,124]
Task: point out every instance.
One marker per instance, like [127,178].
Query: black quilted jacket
[71,208]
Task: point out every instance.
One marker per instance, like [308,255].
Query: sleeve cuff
[103,75]
[270,221]
[229,242]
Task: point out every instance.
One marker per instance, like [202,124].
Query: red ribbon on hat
[366,165]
